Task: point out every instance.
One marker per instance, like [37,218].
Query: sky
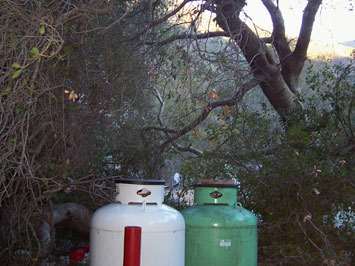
[334,23]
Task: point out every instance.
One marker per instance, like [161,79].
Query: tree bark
[281,77]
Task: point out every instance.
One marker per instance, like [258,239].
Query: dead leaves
[72,95]
[316,191]
[315,171]
[213,94]
[329,262]
[227,109]
[307,218]
[342,161]
[334,262]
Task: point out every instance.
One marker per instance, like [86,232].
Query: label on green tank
[225,243]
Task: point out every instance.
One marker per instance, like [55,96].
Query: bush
[298,180]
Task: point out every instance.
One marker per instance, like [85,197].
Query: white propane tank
[138,203]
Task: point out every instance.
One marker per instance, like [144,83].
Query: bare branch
[162,129]
[117,21]
[166,130]
[161,109]
[159,21]
[96,11]
[210,106]
[188,36]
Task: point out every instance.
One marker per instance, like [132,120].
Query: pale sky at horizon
[334,22]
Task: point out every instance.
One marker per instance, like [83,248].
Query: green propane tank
[219,231]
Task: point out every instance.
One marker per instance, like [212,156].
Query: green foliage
[299,181]
[34,52]
[16,74]
[16,65]
[42,30]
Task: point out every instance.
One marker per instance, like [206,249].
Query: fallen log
[71,216]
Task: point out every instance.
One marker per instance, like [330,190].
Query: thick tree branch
[293,64]
[254,50]
[279,34]
[269,40]
[187,149]
[304,38]
[261,61]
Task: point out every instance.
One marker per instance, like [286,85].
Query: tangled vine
[35,135]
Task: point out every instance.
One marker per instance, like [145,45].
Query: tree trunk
[280,76]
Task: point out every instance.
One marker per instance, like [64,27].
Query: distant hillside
[349,43]
[316,51]
[323,51]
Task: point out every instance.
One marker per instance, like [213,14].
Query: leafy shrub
[298,180]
